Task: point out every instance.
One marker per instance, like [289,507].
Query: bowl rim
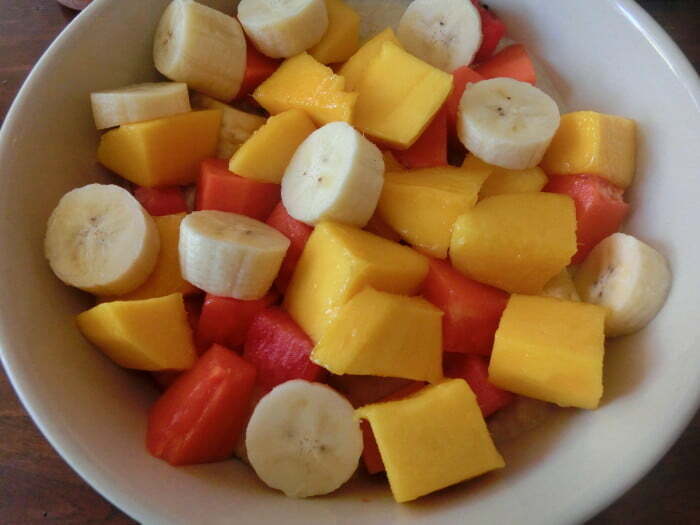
[110,489]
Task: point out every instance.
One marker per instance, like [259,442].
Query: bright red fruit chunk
[298,233]
[161,201]
[600,208]
[431,147]
[201,416]
[460,78]
[492,30]
[257,68]
[512,62]
[474,369]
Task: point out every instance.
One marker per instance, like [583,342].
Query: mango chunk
[551,350]
[354,69]
[383,334]
[265,155]
[515,242]
[422,205]
[338,261]
[433,439]
[161,152]
[303,83]
[342,38]
[148,334]
[595,143]
[399,95]
[502,181]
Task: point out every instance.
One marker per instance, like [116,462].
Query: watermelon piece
[298,233]
[431,147]
[492,29]
[460,78]
[165,200]
[257,68]
[474,369]
[512,62]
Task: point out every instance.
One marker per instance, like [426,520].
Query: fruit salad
[391,253]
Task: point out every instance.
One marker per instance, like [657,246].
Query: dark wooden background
[36,486]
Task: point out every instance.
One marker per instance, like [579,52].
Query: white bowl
[605,55]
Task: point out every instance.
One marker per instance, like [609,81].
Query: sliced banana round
[139,102]
[303,439]
[285,28]
[101,240]
[335,174]
[202,47]
[506,122]
[628,277]
[444,33]
[230,255]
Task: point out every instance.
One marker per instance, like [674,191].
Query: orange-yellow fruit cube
[353,70]
[338,261]
[265,155]
[515,242]
[162,152]
[398,96]
[590,142]
[502,181]
[342,38]
[422,205]
[383,334]
[433,439]
[147,334]
[301,82]
[551,350]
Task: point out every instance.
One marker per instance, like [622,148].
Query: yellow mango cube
[338,261]
[265,155]
[161,152]
[502,181]
[342,38]
[383,334]
[148,334]
[354,69]
[398,96]
[166,277]
[422,205]
[551,350]
[301,82]
[590,142]
[515,242]
[433,439]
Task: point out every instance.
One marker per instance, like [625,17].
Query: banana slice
[201,46]
[139,102]
[101,240]
[282,29]
[230,255]
[335,174]
[506,122]
[630,278]
[444,33]
[303,439]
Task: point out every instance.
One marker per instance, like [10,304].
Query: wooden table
[36,486]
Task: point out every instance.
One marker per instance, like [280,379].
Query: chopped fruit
[550,350]
[378,226]
[511,62]
[266,154]
[220,189]
[492,30]
[303,83]
[226,321]
[474,370]
[342,38]
[383,334]
[446,415]
[472,309]
[430,149]
[600,208]
[515,242]
[594,143]
[279,350]
[561,286]
[339,261]
[162,152]
[148,334]
[422,205]
[193,305]
[165,378]
[390,162]
[298,233]
[200,417]
[503,181]
[460,78]
[363,390]
[161,201]
[166,277]
[398,96]
[258,68]
[354,69]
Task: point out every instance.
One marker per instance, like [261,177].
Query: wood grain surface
[36,486]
